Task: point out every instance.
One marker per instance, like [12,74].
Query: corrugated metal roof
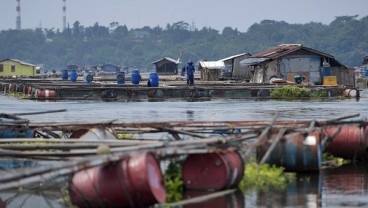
[212,64]
[252,61]
[168,59]
[365,61]
[19,61]
[234,56]
[285,49]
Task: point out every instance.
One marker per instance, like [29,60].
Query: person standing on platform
[190,73]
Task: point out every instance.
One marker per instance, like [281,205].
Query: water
[340,187]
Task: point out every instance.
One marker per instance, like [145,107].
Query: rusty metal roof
[285,49]
[365,61]
[167,59]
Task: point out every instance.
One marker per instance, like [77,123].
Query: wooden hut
[211,70]
[166,66]
[233,69]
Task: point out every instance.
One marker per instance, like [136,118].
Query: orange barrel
[350,143]
[212,171]
[133,182]
[46,94]
[294,152]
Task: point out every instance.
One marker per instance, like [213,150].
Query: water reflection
[233,200]
[304,192]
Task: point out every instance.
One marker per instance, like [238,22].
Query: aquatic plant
[19,95]
[125,136]
[173,181]
[331,161]
[290,91]
[265,177]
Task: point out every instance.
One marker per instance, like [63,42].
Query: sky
[217,14]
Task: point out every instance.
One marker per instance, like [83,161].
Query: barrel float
[136,181]
[46,94]
[351,93]
[94,134]
[64,74]
[294,152]
[153,80]
[135,77]
[87,77]
[73,75]
[120,78]
[11,133]
[226,170]
[350,143]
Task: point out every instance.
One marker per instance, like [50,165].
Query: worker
[190,73]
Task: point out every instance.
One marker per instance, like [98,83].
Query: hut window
[1,68]
[13,68]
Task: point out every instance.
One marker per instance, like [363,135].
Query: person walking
[190,73]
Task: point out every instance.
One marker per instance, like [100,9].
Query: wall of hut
[344,76]
[166,68]
[210,74]
[238,71]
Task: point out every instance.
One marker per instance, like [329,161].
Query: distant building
[166,66]
[288,60]
[72,67]
[234,70]
[108,70]
[14,67]
[211,70]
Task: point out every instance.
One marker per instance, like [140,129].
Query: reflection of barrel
[120,78]
[73,75]
[233,200]
[132,182]
[46,94]
[64,74]
[351,142]
[87,78]
[94,134]
[225,171]
[136,77]
[153,79]
[295,152]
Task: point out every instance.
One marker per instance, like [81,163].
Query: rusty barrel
[350,143]
[46,94]
[294,152]
[135,181]
[212,171]
[94,134]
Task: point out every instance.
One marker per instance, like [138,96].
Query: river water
[346,186]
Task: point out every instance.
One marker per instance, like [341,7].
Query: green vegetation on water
[174,181]
[293,91]
[19,95]
[330,161]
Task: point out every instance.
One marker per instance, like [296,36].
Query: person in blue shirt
[190,73]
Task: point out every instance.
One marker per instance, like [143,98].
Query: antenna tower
[18,15]
[64,14]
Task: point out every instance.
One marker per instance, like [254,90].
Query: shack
[286,61]
[166,66]
[233,69]
[108,70]
[211,70]
[15,67]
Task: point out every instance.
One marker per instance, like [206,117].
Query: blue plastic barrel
[326,71]
[153,79]
[73,75]
[136,77]
[120,78]
[366,72]
[87,78]
[64,74]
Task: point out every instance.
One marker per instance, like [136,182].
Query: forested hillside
[346,38]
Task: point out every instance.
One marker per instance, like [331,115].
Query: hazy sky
[217,14]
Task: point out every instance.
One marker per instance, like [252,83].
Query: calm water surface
[340,187]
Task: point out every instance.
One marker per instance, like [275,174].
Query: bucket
[136,77]
[326,71]
[94,134]
[64,74]
[73,75]
[120,78]
[226,170]
[136,181]
[350,143]
[294,152]
[87,78]
[153,80]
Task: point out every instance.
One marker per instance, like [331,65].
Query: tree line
[345,38]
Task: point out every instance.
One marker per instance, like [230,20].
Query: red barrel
[46,94]
[350,143]
[133,182]
[212,171]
